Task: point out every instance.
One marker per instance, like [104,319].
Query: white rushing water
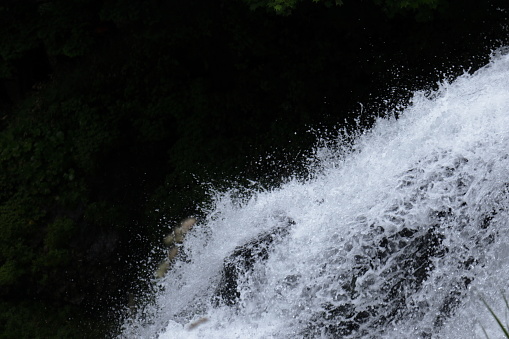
[400,237]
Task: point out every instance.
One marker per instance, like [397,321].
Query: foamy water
[399,238]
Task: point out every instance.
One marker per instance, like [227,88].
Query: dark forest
[117,117]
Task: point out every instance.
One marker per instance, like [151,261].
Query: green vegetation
[392,7]
[116,117]
[497,319]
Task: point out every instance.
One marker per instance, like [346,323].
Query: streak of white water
[400,238]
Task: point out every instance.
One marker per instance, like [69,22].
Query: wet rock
[406,259]
[173,242]
[388,269]
[243,259]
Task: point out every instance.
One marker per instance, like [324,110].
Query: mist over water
[399,237]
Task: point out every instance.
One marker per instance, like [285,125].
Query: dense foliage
[114,116]
[391,7]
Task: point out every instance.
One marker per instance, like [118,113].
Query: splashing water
[399,238]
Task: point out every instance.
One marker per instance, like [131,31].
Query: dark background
[116,117]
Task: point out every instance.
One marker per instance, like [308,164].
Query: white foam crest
[406,232]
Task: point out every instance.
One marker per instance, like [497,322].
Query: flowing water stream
[399,235]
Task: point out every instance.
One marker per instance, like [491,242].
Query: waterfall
[397,235]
